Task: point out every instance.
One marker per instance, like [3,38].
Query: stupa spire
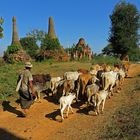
[15,39]
[51,30]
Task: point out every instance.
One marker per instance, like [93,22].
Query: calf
[98,99]
[66,101]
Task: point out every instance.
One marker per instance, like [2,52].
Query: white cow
[109,79]
[71,75]
[66,101]
[99,98]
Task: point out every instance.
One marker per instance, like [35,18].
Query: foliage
[71,49]
[79,48]
[108,50]
[1,29]
[13,49]
[8,54]
[8,58]
[29,44]
[134,54]
[103,59]
[50,44]
[125,21]
[38,35]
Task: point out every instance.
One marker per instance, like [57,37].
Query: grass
[125,124]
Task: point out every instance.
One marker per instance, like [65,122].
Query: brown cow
[83,71]
[82,82]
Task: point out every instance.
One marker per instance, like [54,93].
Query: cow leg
[71,109]
[39,97]
[103,103]
[62,110]
[77,94]
[98,107]
[89,97]
[83,89]
[67,111]
[64,92]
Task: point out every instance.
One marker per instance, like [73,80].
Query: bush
[105,60]
[13,49]
[30,46]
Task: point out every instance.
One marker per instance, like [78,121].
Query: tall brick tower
[15,39]
[51,31]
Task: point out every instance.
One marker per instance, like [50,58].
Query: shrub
[105,60]
[13,49]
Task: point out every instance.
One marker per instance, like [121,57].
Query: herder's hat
[28,65]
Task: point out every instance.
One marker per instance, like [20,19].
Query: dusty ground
[43,123]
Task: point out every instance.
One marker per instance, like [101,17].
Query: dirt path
[43,123]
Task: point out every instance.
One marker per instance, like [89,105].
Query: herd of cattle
[92,86]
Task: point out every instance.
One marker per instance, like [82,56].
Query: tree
[29,44]
[39,35]
[125,21]
[50,44]
[1,29]
[71,49]
[108,50]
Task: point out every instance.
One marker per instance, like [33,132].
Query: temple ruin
[81,50]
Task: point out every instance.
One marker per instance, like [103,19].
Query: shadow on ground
[54,115]
[5,135]
[7,107]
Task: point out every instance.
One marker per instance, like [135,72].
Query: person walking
[26,91]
